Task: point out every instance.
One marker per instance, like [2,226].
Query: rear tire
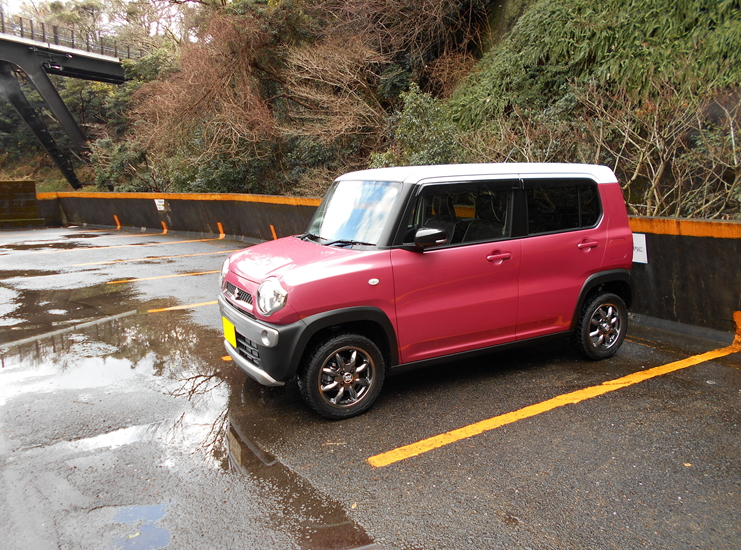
[342,376]
[601,328]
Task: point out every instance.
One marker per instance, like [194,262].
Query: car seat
[490,220]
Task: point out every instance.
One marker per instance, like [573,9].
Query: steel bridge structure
[38,52]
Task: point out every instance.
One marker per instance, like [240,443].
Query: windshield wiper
[349,242]
[314,236]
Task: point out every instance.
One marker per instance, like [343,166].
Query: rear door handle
[498,256]
[587,244]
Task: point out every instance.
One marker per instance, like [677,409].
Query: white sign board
[640,254]
[160,204]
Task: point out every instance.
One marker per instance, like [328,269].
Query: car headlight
[224,271]
[271,296]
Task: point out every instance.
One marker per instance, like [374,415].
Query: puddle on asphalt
[25,273]
[124,354]
[42,241]
[30,313]
[183,360]
[82,235]
[42,245]
[146,533]
[316,522]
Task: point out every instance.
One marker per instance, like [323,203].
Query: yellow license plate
[229,332]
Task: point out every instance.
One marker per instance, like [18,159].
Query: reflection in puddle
[117,438]
[134,354]
[39,312]
[318,522]
[129,354]
[147,534]
[42,245]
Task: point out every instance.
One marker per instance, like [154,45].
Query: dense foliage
[275,97]
[649,87]
[278,96]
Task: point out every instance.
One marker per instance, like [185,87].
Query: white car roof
[416,174]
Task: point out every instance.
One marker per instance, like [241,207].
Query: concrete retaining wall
[18,205]
[693,276]
[259,217]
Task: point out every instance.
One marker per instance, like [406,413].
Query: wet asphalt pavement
[122,426]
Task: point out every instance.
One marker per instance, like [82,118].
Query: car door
[462,295]
[565,243]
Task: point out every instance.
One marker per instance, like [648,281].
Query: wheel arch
[370,322]
[617,281]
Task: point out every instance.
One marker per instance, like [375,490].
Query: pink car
[404,267]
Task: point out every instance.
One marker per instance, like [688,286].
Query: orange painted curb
[266,199]
[687,228]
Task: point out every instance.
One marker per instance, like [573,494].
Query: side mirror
[426,237]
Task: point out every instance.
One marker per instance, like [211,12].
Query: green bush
[423,133]
[621,44]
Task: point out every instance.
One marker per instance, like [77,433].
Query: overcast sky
[11,6]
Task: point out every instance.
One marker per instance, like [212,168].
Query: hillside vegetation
[280,96]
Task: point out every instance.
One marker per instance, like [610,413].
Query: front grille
[238,294]
[248,349]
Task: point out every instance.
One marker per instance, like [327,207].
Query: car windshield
[354,212]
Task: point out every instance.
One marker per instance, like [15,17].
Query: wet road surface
[122,426]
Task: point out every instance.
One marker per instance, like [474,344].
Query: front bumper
[265,352]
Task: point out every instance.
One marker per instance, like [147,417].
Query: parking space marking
[161,277]
[174,308]
[425,445]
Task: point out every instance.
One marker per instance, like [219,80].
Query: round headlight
[271,296]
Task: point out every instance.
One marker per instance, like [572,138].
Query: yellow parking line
[157,258]
[420,447]
[174,308]
[161,277]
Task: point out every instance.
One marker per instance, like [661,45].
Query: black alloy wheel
[343,376]
[602,325]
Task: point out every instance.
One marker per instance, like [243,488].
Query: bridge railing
[64,36]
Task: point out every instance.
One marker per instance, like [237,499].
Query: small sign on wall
[640,253]
[162,205]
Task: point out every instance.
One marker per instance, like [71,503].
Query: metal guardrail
[68,37]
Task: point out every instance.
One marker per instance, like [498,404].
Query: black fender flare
[321,321]
[598,279]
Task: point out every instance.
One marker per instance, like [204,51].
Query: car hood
[276,258]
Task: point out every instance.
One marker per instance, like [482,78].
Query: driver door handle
[499,256]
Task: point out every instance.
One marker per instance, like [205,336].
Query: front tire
[342,376]
[601,328]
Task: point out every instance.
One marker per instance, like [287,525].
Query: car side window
[566,205]
[469,212]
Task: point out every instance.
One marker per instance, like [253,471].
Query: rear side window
[561,205]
